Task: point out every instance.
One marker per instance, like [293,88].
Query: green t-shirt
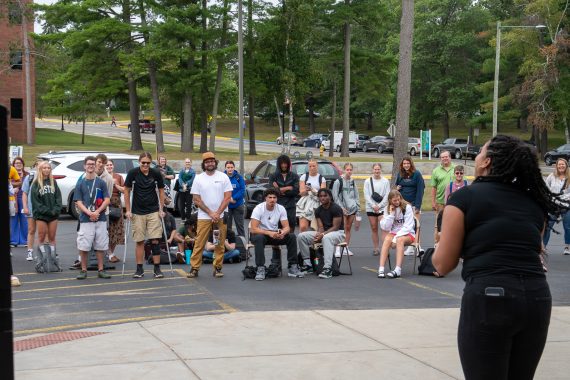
[440,178]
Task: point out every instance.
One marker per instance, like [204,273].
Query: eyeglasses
[145,162]
[458,172]
[89,164]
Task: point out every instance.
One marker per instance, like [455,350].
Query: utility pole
[240,85]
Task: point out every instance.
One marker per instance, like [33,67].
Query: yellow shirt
[13,176]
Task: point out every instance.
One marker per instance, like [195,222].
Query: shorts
[381,213]
[93,235]
[147,226]
[47,220]
[410,235]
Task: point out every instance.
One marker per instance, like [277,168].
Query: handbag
[115,213]
[375,196]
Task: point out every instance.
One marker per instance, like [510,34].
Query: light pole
[497,65]
[240,85]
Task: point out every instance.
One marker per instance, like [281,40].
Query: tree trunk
[136,141]
[83,132]
[543,148]
[204,92]
[290,126]
[369,118]
[445,124]
[404,85]
[311,118]
[566,133]
[187,143]
[333,120]
[251,110]
[346,91]
[223,41]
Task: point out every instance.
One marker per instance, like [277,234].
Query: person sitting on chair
[265,230]
[330,232]
[398,221]
[231,253]
[185,236]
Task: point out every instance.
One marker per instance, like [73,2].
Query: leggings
[502,337]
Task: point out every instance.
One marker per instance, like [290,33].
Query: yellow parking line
[93,285]
[114,322]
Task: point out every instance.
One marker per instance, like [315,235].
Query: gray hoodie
[349,199]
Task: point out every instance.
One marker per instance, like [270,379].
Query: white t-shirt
[268,220]
[211,189]
[313,180]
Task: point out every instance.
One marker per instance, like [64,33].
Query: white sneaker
[410,251]
[350,253]
[566,251]
[30,256]
[337,252]
[15,281]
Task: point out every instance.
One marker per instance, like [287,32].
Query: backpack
[320,178]
[426,267]
[340,186]
[272,271]
[48,262]
[92,261]
[318,261]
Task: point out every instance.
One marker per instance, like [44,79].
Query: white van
[352,137]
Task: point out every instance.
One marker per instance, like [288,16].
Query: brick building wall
[12,74]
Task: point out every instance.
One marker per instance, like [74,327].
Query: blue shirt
[92,192]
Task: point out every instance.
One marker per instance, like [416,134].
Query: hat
[207,156]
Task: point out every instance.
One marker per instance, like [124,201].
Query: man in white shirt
[265,230]
[212,192]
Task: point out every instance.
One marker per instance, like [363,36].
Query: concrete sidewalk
[323,344]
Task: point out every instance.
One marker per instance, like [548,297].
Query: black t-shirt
[502,230]
[230,237]
[143,192]
[326,215]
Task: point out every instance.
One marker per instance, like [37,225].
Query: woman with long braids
[496,226]
[559,183]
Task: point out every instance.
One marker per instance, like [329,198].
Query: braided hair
[515,162]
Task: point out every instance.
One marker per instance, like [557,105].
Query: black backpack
[320,179]
[318,261]
[426,267]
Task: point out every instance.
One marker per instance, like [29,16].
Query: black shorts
[381,213]
[46,219]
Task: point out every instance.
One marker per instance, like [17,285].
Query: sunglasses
[145,162]
[458,172]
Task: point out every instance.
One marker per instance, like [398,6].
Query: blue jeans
[565,225]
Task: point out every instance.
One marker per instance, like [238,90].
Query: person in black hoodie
[46,205]
[287,183]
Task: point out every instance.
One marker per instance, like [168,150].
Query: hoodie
[289,198]
[46,203]
[238,192]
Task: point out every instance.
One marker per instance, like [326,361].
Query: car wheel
[548,160]
[154,131]
[71,209]
[412,152]
[457,154]
[129,128]
[305,145]
[278,142]
[380,149]
[435,153]
[338,148]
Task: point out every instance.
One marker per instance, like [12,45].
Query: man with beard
[211,192]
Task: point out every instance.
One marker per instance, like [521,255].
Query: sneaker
[139,273]
[103,274]
[180,257]
[337,252]
[114,259]
[307,269]
[30,256]
[295,272]
[260,274]
[381,274]
[14,281]
[158,273]
[193,273]
[82,275]
[566,251]
[218,272]
[376,252]
[350,253]
[410,251]
[326,273]
[76,265]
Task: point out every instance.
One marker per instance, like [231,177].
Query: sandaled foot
[392,274]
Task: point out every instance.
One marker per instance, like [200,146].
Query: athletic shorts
[147,226]
[410,235]
[381,213]
[93,235]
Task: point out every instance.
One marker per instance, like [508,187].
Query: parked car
[258,180]
[352,137]
[457,147]
[414,145]
[314,140]
[380,144]
[145,125]
[361,140]
[296,138]
[561,152]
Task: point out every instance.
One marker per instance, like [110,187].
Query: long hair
[566,172]
[403,172]
[24,172]
[395,193]
[514,162]
[40,178]
[283,159]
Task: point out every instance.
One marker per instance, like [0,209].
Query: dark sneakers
[82,275]
[193,273]
[158,273]
[139,273]
[76,265]
[103,274]
[326,273]
[218,272]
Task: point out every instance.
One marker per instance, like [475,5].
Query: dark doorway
[6,335]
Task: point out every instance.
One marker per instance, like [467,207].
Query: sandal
[376,252]
[392,274]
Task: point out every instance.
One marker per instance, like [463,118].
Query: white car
[352,137]
[67,167]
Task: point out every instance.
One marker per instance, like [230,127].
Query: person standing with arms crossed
[145,211]
[212,192]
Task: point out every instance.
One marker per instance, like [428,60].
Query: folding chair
[249,246]
[415,244]
[344,253]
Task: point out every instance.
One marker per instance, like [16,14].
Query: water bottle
[316,261]
[188,253]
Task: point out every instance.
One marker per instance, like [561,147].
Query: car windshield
[325,169]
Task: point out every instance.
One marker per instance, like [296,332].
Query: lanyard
[91,200]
